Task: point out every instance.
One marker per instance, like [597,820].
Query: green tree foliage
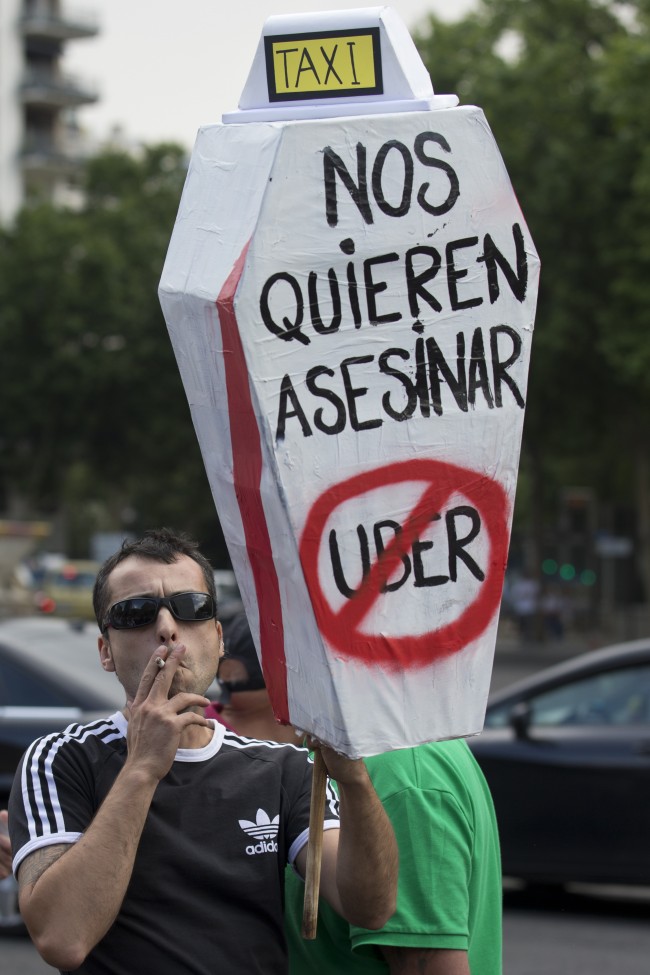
[93,412]
[564,87]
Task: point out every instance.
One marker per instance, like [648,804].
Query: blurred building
[40,144]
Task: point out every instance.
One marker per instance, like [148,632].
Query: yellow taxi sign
[324,64]
[335,63]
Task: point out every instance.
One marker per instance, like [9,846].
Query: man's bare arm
[425,961]
[70,897]
[38,862]
[360,860]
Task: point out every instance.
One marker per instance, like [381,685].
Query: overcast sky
[165,67]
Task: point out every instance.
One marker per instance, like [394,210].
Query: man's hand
[157,721]
[343,770]
[360,860]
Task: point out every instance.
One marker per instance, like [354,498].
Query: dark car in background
[566,754]
[50,677]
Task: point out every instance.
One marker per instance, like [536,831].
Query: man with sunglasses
[156,840]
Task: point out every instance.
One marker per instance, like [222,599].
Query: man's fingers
[159,672]
[146,681]
[186,699]
[165,665]
[187,718]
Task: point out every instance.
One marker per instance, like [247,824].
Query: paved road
[604,931]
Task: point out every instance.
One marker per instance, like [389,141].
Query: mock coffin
[351,304]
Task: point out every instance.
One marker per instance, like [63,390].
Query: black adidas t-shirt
[206,893]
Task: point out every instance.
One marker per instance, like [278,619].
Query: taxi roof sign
[345,62]
[321,64]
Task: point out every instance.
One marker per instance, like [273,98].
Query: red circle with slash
[341,628]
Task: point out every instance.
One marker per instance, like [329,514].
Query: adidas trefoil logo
[263,829]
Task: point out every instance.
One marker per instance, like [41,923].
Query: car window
[21,687]
[615,697]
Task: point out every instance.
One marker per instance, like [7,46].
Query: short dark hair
[159,545]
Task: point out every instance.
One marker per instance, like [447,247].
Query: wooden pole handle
[314,848]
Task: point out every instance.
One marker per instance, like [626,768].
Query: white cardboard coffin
[351,304]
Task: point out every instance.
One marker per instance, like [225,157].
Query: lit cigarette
[160,663]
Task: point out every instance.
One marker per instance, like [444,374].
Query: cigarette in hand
[160,663]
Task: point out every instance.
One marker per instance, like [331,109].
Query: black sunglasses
[190,607]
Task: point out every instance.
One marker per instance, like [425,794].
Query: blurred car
[17,594]
[67,591]
[50,677]
[566,754]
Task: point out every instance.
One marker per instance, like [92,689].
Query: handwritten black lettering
[322,392]
[446,542]
[353,393]
[493,258]
[414,284]
[403,207]
[373,288]
[333,166]
[288,330]
[454,274]
[290,407]
[425,381]
[432,161]
[330,65]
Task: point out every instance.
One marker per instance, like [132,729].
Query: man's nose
[166,625]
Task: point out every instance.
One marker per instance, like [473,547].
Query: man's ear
[105,653]
[222,649]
